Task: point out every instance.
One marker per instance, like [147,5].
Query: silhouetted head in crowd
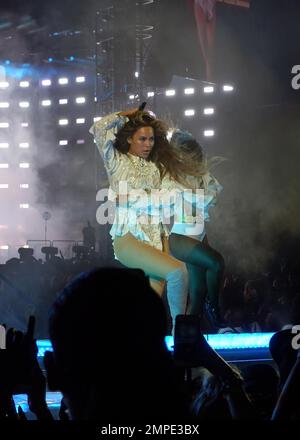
[109,358]
[283,353]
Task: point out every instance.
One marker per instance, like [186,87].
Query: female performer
[136,152]
[188,241]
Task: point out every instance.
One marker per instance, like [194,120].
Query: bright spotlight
[46,102]
[63,121]
[4,144]
[80,79]
[150,94]
[80,120]
[209,133]
[4,84]
[170,92]
[227,88]
[3,185]
[24,165]
[63,142]
[24,185]
[4,124]
[63,81]
[136,74]
[24,104]
[131,96]
[4,165]
[46,82]
[189,112]
[4,104]
[80,141]
[208,89]
[24,124]
[24,205]
[189,91]
[24,145]
[63,101]
[24,84]
[80,100]
[4,247]
[209,111]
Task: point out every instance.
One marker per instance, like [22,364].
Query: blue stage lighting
[50,59]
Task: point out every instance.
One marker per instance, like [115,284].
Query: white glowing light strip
[24,145]
[131,96]
[24,185]
[170,92]
[63,121]
[80,79]
[208,89]
[63,81]
[4,104]
[24,165]
[46,102]
[80,100]
[24,84]
[4,247]
[150,94]
[189,112]
[24,205]
[63,142]
[24,104]
[4,84]
[63,101]
[4,145]
[46,82]
[209,111]
[80,120]
[209,133]
[4,124]
[3,185]
[227,88]
[4,165]
[189,91]
[136,74]
[24,124]
[80,141]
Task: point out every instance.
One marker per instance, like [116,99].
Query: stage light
[80,100]
[4,247]
[7,62]
[80,141]
[46,102]
[209,111]
[24,185]
[189,91]
[170,92]
[4,104]
[189,112]
[24,145]
[131,96]
[4,144]
[80,120]
[4,124]
[50,59]
[80,79]
[63,121]
[63,101]
[209,133]
[24,205]
[150,94]
[227,88]
[3,185]
[136,74]
[208,89]
[24,165]
[63,81]
[24,124]
[4,84]
[97,118]
[24,104]
[24,84]
[63,142]
[71,58]
[4,165]
[46,82]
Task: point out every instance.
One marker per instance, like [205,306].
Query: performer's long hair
[166,155]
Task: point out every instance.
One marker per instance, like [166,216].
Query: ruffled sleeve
[104,132]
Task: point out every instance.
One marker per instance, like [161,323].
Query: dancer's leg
[157,265]
[199,254]
[197,289]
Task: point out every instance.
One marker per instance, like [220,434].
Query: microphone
[142,106]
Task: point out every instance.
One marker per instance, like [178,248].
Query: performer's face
[142,142]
